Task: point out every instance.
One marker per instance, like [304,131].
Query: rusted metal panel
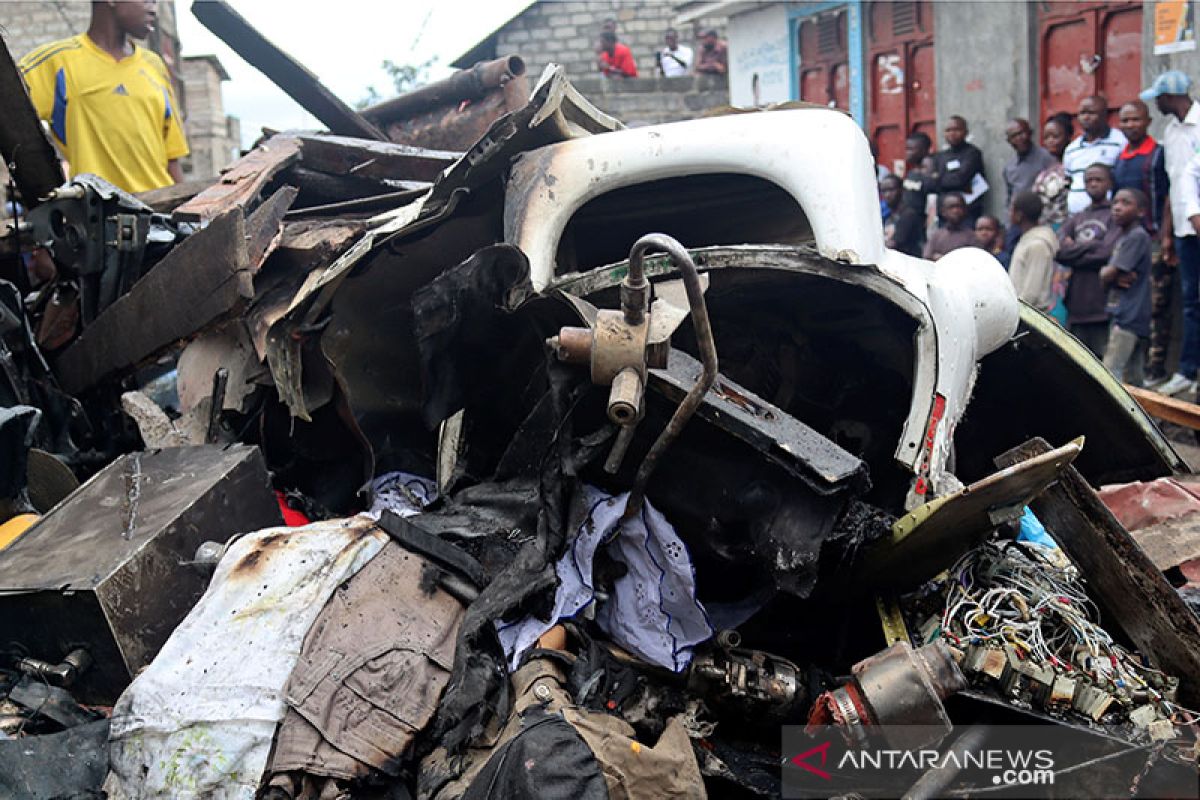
[243,182]
[22,140]
[107,569]
[1130,591]
[1089,48]
[453,113]
[286,72]
[466,85]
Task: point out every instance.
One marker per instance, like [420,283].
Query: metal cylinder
[729,638]
[573,345]
[625,397]
[466,84]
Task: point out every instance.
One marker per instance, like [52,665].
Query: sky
[343,43]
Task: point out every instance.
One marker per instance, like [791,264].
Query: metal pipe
[74,664]
[682,260]
[466,84]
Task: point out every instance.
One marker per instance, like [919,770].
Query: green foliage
[404,77]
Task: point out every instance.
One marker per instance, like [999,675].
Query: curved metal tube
[682,260]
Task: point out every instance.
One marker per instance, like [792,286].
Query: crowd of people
[1098,222]
[614,58]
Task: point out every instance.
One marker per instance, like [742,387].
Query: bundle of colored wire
[1031,598]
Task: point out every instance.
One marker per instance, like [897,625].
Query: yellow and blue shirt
[115,119]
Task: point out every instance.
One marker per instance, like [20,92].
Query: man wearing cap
[1180,242]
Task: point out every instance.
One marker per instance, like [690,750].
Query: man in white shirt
[675,59]
[1098,143]
[1180,240]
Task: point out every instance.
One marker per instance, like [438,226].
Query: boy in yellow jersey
[109,102]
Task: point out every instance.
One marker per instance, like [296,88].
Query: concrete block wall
[650,101]
[206,125]
[25,25]
[986,85]
[566,32]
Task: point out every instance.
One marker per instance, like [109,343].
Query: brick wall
[566,33]
[649,101]
[25,25]
[207,126]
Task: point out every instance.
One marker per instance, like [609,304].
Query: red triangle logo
[801,760]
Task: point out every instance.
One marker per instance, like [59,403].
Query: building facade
[567,33]
[908,65]
[213,136]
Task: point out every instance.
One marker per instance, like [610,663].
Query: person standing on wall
[674,59]
[614,59]
[713,58]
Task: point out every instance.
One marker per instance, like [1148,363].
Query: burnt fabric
[547,759]
[535,754]
[456,316]
[71,764]
[371,672]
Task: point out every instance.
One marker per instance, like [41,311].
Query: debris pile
[566,460]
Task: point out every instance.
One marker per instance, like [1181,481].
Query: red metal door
[1089,48]
[901,68]
[1121,69]
[824,62]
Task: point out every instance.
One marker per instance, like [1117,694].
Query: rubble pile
[523,455]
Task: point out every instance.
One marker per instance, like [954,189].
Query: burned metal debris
[505,452]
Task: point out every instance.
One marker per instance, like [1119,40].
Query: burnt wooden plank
[22,141]
[264,229]
[286,72]
[1131,592]
[342,155]
[1170,409]
[168,198]
[242,182]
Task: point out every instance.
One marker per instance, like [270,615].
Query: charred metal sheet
[343,156]
[108,568]
[782,438]
[242,183]
[1130,591]
[453,113]
[286,72]
[555,112]
[932,537]
[305,246]
[23,143]
[208,275]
